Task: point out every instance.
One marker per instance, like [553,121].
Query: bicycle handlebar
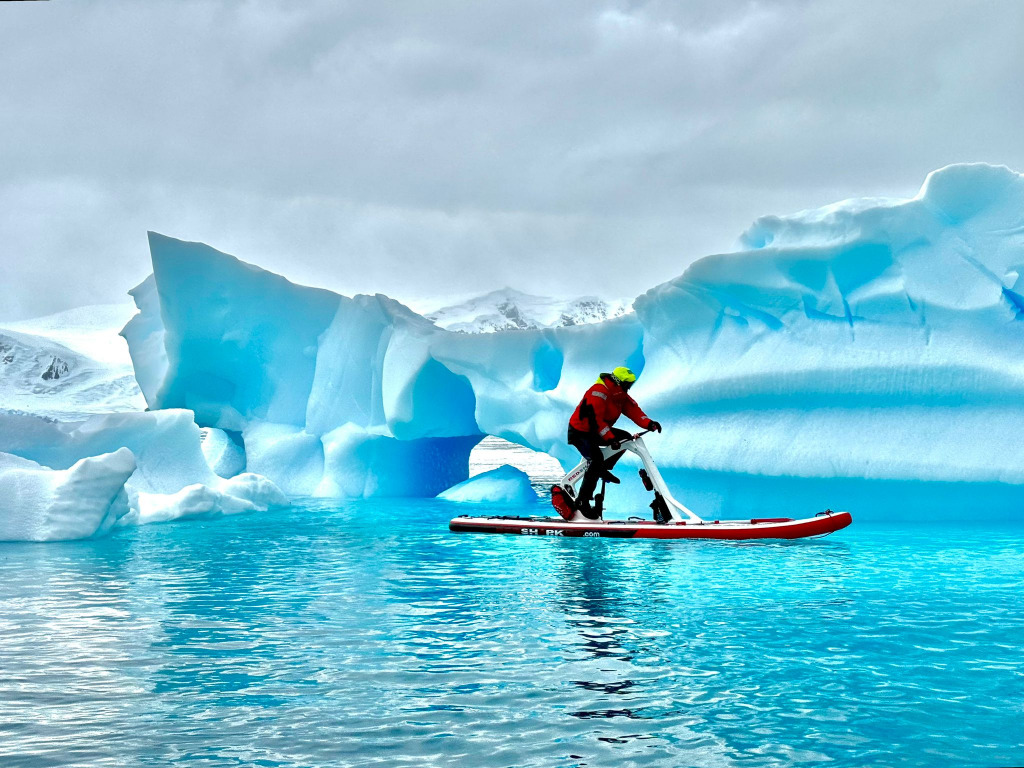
[634,437]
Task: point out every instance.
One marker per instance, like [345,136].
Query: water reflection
[592,598]
[360,634]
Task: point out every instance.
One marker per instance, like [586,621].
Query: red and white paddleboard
[763,528]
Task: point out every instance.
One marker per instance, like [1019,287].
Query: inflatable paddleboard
[759,528]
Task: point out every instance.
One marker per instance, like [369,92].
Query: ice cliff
[864,355]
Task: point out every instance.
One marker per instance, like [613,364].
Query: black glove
[615,444]
[654,426]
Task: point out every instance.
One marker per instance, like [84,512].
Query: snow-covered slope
[869,354]
[92,331]
[508,309]
[41,376]
[68,365]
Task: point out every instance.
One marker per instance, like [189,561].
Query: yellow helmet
[624,376]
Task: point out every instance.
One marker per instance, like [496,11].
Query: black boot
[608,477]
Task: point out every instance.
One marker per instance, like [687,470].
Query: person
[592,426]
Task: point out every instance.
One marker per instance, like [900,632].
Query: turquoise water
[366,634]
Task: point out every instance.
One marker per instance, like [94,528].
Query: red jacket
[605,401]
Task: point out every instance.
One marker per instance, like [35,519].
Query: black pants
[589,445]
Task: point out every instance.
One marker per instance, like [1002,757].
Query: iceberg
[863,355]
[42,504]
[872,344]
[70,420]
[504,485]
[168,478]
[330,395]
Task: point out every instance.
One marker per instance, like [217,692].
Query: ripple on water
[300,638]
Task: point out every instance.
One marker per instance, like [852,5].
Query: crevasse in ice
[867,353]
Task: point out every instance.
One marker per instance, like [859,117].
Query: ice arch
[873,341]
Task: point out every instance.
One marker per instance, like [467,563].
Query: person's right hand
[615,444]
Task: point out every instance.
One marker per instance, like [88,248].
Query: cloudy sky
[448,148]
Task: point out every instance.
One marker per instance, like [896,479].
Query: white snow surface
[866,355]
[91,330]
[509,309]
[69,365]
[504,485]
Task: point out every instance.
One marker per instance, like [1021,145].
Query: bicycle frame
[676,509]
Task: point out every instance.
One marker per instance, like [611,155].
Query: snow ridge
[508,309]
[41,375]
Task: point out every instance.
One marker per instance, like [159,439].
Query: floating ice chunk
[167,459]
[42,504]
[504,485]
[166,444]
[243,493]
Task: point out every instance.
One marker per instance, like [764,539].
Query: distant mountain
[509,309]
[69,365]
[91,330]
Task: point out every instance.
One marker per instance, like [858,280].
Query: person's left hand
[654,426]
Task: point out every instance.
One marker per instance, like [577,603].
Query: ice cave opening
[492,452]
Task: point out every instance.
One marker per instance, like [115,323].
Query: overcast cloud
[445,148]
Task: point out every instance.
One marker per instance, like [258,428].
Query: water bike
[672,519]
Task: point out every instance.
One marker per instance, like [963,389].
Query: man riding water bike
[591,427]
